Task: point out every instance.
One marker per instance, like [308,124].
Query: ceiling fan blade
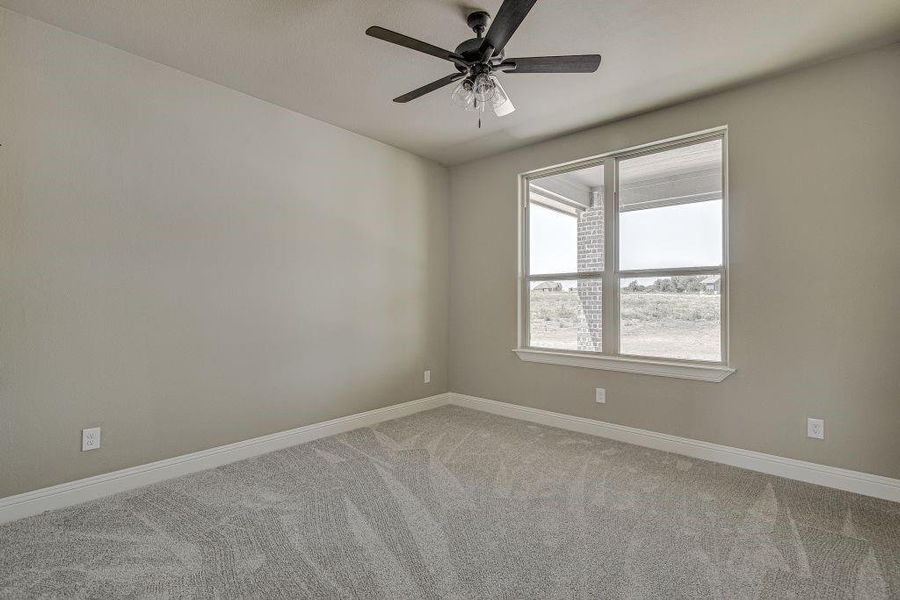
[407,42]
[578,63]
[504,25]
[434,85]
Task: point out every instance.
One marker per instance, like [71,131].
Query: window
[624,261]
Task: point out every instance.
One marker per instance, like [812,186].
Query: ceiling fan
[477,60]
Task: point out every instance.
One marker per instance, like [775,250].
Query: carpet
[456,503]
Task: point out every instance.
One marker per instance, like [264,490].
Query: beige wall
[187,266]
[815,272]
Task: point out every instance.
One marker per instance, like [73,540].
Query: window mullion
[610,325]
[670,271]
[565,276]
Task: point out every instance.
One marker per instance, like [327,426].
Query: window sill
[642,366]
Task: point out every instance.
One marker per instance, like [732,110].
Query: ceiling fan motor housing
[470,50]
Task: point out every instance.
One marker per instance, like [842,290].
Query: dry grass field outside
[671,325]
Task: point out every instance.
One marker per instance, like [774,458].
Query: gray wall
[815,272]
[187,266]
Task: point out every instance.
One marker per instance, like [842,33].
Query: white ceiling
[312,56]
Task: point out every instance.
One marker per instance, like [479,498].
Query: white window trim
[624,364]
[609,358]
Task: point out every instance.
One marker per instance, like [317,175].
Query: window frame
[610,357]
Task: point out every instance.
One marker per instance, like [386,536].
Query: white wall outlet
[427,377]
[90,439]
[815,428]
[600,395]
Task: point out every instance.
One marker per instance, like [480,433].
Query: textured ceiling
[312,56]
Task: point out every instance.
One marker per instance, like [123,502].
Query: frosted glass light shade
[501,103]
[462,95]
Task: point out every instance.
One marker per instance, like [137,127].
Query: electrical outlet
[600,396]
[815,428]
[427,377]
[90,439]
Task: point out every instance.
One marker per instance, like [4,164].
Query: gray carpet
[454,503]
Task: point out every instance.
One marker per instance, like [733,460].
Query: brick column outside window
[590,257]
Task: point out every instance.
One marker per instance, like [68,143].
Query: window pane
[565,222]
[688,235]
[566,314]
[670,208]
[671,317]
[554,235]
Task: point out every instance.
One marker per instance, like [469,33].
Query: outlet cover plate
[600,395]
[90,439]
[427,378]
[815,428]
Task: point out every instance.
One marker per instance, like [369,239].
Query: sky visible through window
[554,244]
[685,235]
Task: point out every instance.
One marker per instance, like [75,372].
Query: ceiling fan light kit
[463,96]
[501,103]
[479,58]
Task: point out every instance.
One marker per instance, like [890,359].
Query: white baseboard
[842,479]
[76,492]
